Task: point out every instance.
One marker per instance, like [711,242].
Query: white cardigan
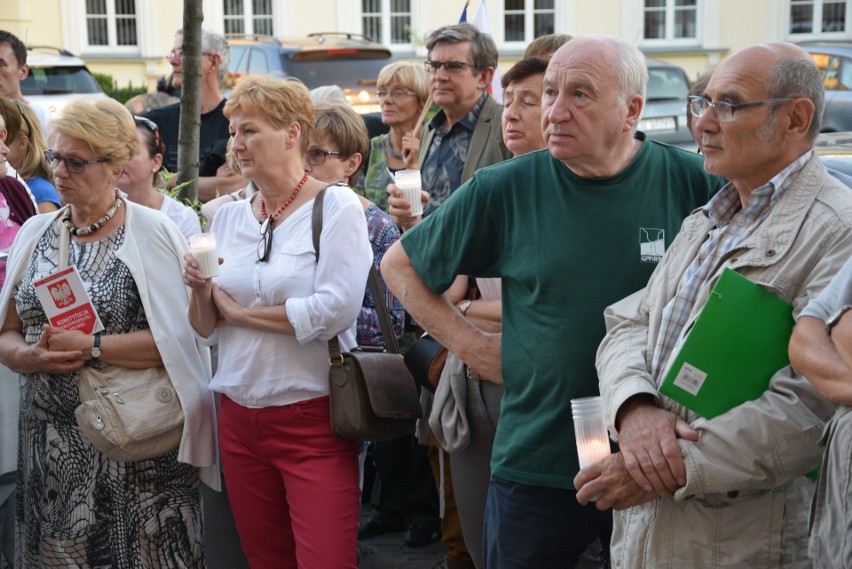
[153,247]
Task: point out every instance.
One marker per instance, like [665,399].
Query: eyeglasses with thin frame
[449,66]
[316,156]
[264,246]
[725,112]
[23,116]
[178,53]
[396,94]
[151,126]
[74,165]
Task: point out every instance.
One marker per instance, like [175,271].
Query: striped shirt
[733,224]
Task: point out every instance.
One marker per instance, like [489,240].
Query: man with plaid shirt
[731,491]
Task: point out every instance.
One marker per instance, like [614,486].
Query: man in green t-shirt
[569,230]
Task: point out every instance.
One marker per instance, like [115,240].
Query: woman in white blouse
[293,486]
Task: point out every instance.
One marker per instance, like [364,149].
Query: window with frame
[248,17]
[816,17]
[525,20]
[111,23]
[387,21]
[670,20]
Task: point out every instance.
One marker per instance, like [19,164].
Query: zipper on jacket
[724,258]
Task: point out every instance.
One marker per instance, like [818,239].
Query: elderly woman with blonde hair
[403,89]
[76,506]
[293,486]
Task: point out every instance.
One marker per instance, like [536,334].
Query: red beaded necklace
[283,207]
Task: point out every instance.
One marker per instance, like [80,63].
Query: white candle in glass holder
[590,430]
[203,248]
[591,451]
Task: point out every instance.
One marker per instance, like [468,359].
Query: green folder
[734,348]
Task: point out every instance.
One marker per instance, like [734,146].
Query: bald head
[785,70]
[774,100]
[613,55]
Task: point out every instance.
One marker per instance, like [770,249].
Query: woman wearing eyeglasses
[337,146]
[78,508]
[26,142]
[293,486]
[403,88]
[142,175]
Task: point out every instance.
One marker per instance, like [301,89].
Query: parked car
[835,150]
[835,62]
[350,61]
[664,115]
[55,76]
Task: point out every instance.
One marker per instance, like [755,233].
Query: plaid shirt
[732,225]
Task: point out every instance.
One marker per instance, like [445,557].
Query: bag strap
[382,311]
[388,335]
[316,221]
[64,239]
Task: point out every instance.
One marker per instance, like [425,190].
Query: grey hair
[214,42]
[631,69]
[483,50]
[798,77]
[329,94]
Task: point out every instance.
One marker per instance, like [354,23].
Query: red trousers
[293,485]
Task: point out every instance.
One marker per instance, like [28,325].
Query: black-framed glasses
[316,156]
[74,165]
[396,94]
[23,116]
[150,125]
[725,112]
[264,246]
[450,66]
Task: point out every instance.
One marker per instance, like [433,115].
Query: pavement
[387,551]
[222,545]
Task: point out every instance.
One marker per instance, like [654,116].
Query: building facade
[129,38]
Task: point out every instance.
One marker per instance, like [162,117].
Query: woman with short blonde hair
[293,485]
[79,508]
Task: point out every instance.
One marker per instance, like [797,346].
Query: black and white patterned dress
[75,507]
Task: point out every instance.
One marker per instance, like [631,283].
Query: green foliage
[123,95]
[174,193]
[107,83]
[105,80]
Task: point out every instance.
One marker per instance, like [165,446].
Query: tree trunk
[190,100]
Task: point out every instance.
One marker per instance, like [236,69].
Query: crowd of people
[560,254]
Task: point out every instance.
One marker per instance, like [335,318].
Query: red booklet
[66,302]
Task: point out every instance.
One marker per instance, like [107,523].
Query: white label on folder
[690,378]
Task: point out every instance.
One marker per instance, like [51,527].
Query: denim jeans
[535,527]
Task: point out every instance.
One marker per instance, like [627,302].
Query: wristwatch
[464,306]
[96,348]
[835,317]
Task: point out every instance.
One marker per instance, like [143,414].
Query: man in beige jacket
[731,491]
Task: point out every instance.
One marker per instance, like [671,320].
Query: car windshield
[58,80]
[666,84]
